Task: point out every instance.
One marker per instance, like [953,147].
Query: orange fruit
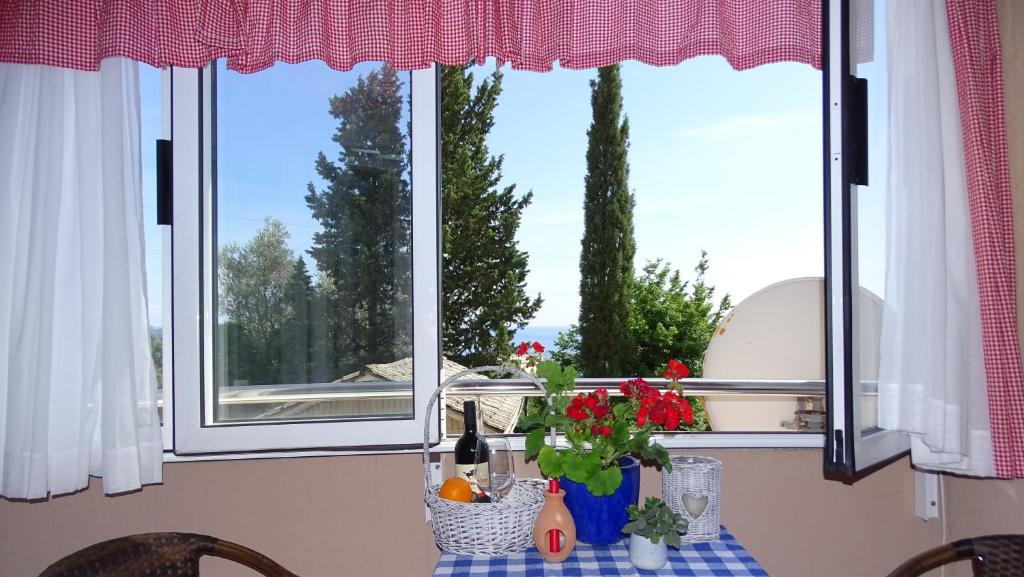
[456,489]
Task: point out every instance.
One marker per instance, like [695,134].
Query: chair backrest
[990,555]
[165,554]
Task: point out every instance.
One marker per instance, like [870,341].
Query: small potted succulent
[651,530]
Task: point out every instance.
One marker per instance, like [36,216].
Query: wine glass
[494,470]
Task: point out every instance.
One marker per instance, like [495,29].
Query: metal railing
[692,387]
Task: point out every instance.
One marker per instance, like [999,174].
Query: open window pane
[312,228]
[857,163]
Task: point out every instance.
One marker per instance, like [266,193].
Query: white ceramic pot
[647,555]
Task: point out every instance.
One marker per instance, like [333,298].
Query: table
[723,558]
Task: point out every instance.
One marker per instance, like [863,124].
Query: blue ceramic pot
[599,520]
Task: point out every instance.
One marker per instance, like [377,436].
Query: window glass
[151,128]
[722,231]
[310,224]
[869,63]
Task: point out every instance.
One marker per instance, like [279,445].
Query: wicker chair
[990,555]
[164,554]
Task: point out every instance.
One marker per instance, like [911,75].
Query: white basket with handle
[496,528]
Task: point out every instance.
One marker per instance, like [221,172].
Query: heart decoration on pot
[695,505]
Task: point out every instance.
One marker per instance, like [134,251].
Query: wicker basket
[696,477]
[496,528]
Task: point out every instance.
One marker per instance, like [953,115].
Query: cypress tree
[606,259]
[297,332]
[365,211]
[484,272]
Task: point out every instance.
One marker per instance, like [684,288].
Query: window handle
[858,129]
[164,183]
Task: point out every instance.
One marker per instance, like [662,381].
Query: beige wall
[363,516]
[978,507]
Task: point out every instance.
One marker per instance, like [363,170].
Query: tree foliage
[253,280]
[671,318]
[608,247]
[484,272]
[365,212]
[253,283]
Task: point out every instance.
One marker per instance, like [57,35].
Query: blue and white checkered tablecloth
[723,558]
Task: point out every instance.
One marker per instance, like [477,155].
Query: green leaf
[620,434]
[534,443]
[619,410]
[634,526]
[529,421]
[672,540]
[549,370]
[605,481]
[550,462]
[581,468]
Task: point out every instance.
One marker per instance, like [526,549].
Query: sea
[544,335]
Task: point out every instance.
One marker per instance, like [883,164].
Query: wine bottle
[471,451]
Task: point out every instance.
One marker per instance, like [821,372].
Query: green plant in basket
[599,432]
[656,521]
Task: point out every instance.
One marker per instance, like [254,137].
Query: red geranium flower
[600,411]
[537,347]
[676,370]
[641,416]
[672,415]
[576,413]
[523,348]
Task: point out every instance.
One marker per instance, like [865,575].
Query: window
[856,160]
[298,301]
[307,247]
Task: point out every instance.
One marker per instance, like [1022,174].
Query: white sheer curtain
[931,373]
[77,385]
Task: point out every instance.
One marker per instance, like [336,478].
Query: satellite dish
[779,333]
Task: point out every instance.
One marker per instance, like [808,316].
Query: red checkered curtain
[977,60]
[408,34]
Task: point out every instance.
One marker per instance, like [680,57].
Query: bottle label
[473,474]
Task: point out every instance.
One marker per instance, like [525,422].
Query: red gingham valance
[529,34]
[977,61]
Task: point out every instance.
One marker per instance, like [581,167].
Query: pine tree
[606,259]
[366,215]
[484,272]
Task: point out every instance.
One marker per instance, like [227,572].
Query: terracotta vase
[554,516]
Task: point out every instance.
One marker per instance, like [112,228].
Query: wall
[978,507]
[363,516]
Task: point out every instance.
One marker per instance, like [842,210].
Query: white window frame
[194,431]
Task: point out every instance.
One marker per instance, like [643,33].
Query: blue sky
[724,161]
